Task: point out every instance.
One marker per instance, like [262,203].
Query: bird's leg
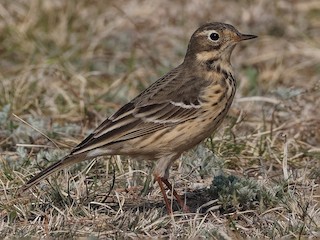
[181,203]
[166,200]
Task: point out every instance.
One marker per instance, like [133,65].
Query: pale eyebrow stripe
[206,32]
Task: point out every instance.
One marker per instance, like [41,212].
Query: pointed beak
[246,37]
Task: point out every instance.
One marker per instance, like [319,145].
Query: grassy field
[66,65]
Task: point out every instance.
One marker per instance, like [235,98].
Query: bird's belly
[194,132]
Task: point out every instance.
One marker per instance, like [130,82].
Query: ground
[66,65]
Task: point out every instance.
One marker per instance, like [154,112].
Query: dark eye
[214,36]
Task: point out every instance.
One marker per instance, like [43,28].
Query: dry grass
[66,65]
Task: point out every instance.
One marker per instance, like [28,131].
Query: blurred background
[67,65]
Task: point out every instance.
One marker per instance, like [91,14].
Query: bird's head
[214,41]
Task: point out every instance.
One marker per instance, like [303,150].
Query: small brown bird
[172,115]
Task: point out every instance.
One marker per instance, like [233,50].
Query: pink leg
[181,203]
[166,200]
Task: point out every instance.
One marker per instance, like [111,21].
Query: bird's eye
[214,36]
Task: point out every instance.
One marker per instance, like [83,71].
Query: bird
[172,115]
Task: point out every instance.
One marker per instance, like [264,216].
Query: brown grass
[66,65]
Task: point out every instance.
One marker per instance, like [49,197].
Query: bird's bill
[243,37]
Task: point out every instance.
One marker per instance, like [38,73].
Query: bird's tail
[62,163]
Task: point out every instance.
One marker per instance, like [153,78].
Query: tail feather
[64,162]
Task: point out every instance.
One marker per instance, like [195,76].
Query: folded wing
[157,108]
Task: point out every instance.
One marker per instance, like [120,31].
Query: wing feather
[157,108]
